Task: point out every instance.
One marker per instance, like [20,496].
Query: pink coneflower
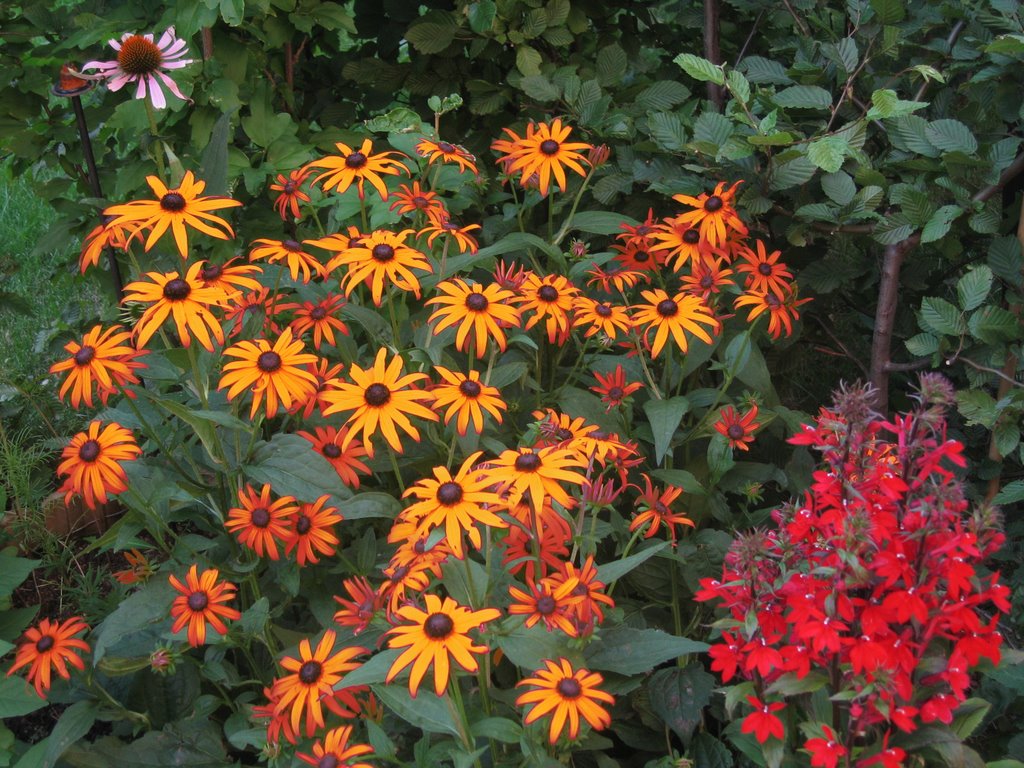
[140,60]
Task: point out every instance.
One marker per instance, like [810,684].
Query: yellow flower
[275,371]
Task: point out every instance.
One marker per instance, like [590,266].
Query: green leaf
[18,698]
[215,157]
[994,325]
[466,589]
[205,423]
[615,570]
[1006,436]
[558,12]
[792,174]
[762,70]
[334,16]
[1011,493]
[426,711]
[912,133]
[145,609]
[738,86]
[922,345]
[803,97]
[630,651]
[680,478]
[517,242]
[886,104]
[828,153]
[498,728]
[255,617]
[700,69]
[611,65]
[951,136]
[973,287]
[481,16]
[889,11]
[1006,45]
[939,316]
[712,131]
[194,743]
[435,35]
[789,684]
[601,222]
[370,504]
[540,88]
[527,648]
[664,417]
[839,187]
[293,468]
[528,60]
[776,139]
[666,128]
[678,696]
[977,407]
[371,672]
[74,723]
[13,571]
[968,716]
[709,752]
[940,222]
[662,95]
[1004,257]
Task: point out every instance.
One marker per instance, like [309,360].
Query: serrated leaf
[803,97]
[1006,436]
[712,129]
[767,71]
[828,153]
[977,407]
[540,88]
[794,173]
[738,86]
[816,212]
[889,11]
[432,36]
[922,345]
[667,129]
[558,12]
[994,325]
[664,417]
[1011,493]
[886,103]
[951,136]
[1006,45]
[940,222]
[611,65]
[662,95]
[481,15]
[678,696]
[892,229]
[700,69]
[534,23]
[912,133]
[838,187]
[1004,257]
[972,288]
[528,60]
[776,139]
[939,316]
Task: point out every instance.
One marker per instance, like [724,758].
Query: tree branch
[712,49]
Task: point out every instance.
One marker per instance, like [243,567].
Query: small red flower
[739,431]
[761,722]
[825,751]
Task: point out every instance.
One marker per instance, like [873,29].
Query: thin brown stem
[712,49]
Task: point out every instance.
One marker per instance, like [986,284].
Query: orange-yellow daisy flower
[680,243]
[259,522]
[568,694]
[781,311]
[466,398]
[547,153]
[436,636]
[336,752]
[714,213]
[416,199]
[445,152]
[312,531]
[174,209]
[291,196]
[706,278]
[346,461]
[51,645]
[482,310]
[185,299]
[739,431]
[550,299]
[381,256]
[291,252]
[101,358]
[139,569]
[103,236]
[443,225]
[359,166]
[201,602]
[655,508]
[380,399]
[600,317]
[322,317]
[92,461]
[275,371]
[613,387]
[765,273]
[548,602]
[253,313]
[364,603]
[458,503]
[537,473]
[675,316]
[312,679]
[229,277]
[323,372]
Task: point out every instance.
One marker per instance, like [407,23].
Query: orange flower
[636,257]
[51,645]
[313,529]
[706,277]
[364,604]
[101,358]
[271,370]
[411,200]
[93,462]
[381,256]
[230,279]
[765,273]
[328,441]
[738,431]
[588,611]
[380,399]
[781,311]
[537,473]
[139,569]
[613,388]
[482,310]
[335,751]
[467,398]
[680,243]
[259,523]
[174,209]
[600,317]
[313,678]
[674,316]
[358,166]
[323,372]
[547,602]
[321,317]
[259,306]
[550,298]
[289,251]
[443,225]
[185,299]
[337,243]
[201,602]
[291,195]
[545,152]
[615,280]
[101,237]
[714,213]
[403,577]
[655,509]
[447,153]
[436,636]
[568,694]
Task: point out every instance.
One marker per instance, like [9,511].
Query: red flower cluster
[874,579]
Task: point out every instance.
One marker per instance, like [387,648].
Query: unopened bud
[598,156]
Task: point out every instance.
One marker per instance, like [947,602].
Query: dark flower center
[331,451]
[691,237]
[400,573]
[377,395]
[328,761]
[289,187]
[445,147]
[660,508]
[420,546]
[90,450]
[84,356]
[736,431]
[302,525]
[268,362]
[547,293]
[44,643]
[318,313]
[177,289]
[470,388]
[707,281]
[549,147]
[139,56]
[449,493]
[438,626]
[603,310]
[420,201]
[545,605]
[211,272]
[355,160]
[615,393]
[764,268]
[667,308]
[713,203]
[260,517]
[772,301]
[528,462]
[641,256]
[309,673]
[294,246]
[569,688]
[198,601]
[383,252]
[477,302]
[643,229]
[172,202]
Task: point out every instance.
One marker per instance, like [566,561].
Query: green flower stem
[397,471]
[363,216]
[625,553]
[136,717]
[444,259]
[647,371]
[572,211]
[155,437]
[677,617]
[458,711]
[158,156]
